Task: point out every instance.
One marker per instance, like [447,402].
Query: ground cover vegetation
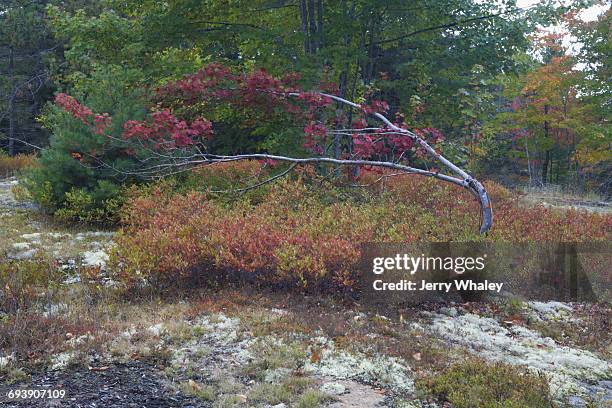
[225,275]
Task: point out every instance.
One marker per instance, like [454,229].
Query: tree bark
[545,166]
[320,23]
[547,154]
[11,107]
[528,163]
[312,26]
[304,21]
[339,113]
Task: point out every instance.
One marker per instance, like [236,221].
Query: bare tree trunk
[313,26]
[528,164]
[11,107]
[320,23]
[547,154]
[304,21]
[545,165]
[339,113]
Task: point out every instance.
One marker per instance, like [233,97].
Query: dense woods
[503,97]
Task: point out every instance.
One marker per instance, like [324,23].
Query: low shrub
[26,289]
[224,176]
[26,284]
[477,384]
[9,165]
[101,207]
[308,232]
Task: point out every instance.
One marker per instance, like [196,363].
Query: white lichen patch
[333,388]
[156,329]
[93,234]
[215,336]
[127,334]
[58,235]
[61,360]
[21,246]
[79,341]
[219,328]
[34,237]
[95,258]
[5,360]
[277,375]
[548,311]
[54,309]
[569,370]
[23,255]
[388,372]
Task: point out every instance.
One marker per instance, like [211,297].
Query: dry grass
[9,165]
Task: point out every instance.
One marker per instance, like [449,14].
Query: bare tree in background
[24,82]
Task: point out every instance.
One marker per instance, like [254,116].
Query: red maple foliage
[261,95]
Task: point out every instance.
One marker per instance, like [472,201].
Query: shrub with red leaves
[183,112]
[297,234]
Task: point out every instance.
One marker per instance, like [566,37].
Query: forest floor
[247,346]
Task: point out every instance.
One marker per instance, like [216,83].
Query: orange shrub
[10,164]
[310,234]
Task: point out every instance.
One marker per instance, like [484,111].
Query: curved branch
[172,164]
[467,181]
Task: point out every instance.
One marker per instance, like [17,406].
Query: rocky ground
[236,347]
[26,233]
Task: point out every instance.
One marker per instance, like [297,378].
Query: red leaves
[269,163]
[102,122]
[386,141]
[375,106]
[99,122]
[315,129]
[314,99]
[72,106]
[364,146]
[401,143]
[163,127]
[257,96]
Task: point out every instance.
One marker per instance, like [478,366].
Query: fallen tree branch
[188,154]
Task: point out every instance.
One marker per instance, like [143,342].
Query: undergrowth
[307,230]
[9,165]
[478,384]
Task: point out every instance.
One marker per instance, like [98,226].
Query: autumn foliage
[293,233]
[182,113]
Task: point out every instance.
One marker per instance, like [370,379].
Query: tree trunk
[11,107]
[528,163]
[320,23]
[339,113]
[545,164]
[547,155]
[313,26]
[304,18]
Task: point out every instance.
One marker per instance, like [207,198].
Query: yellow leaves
[589,156]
